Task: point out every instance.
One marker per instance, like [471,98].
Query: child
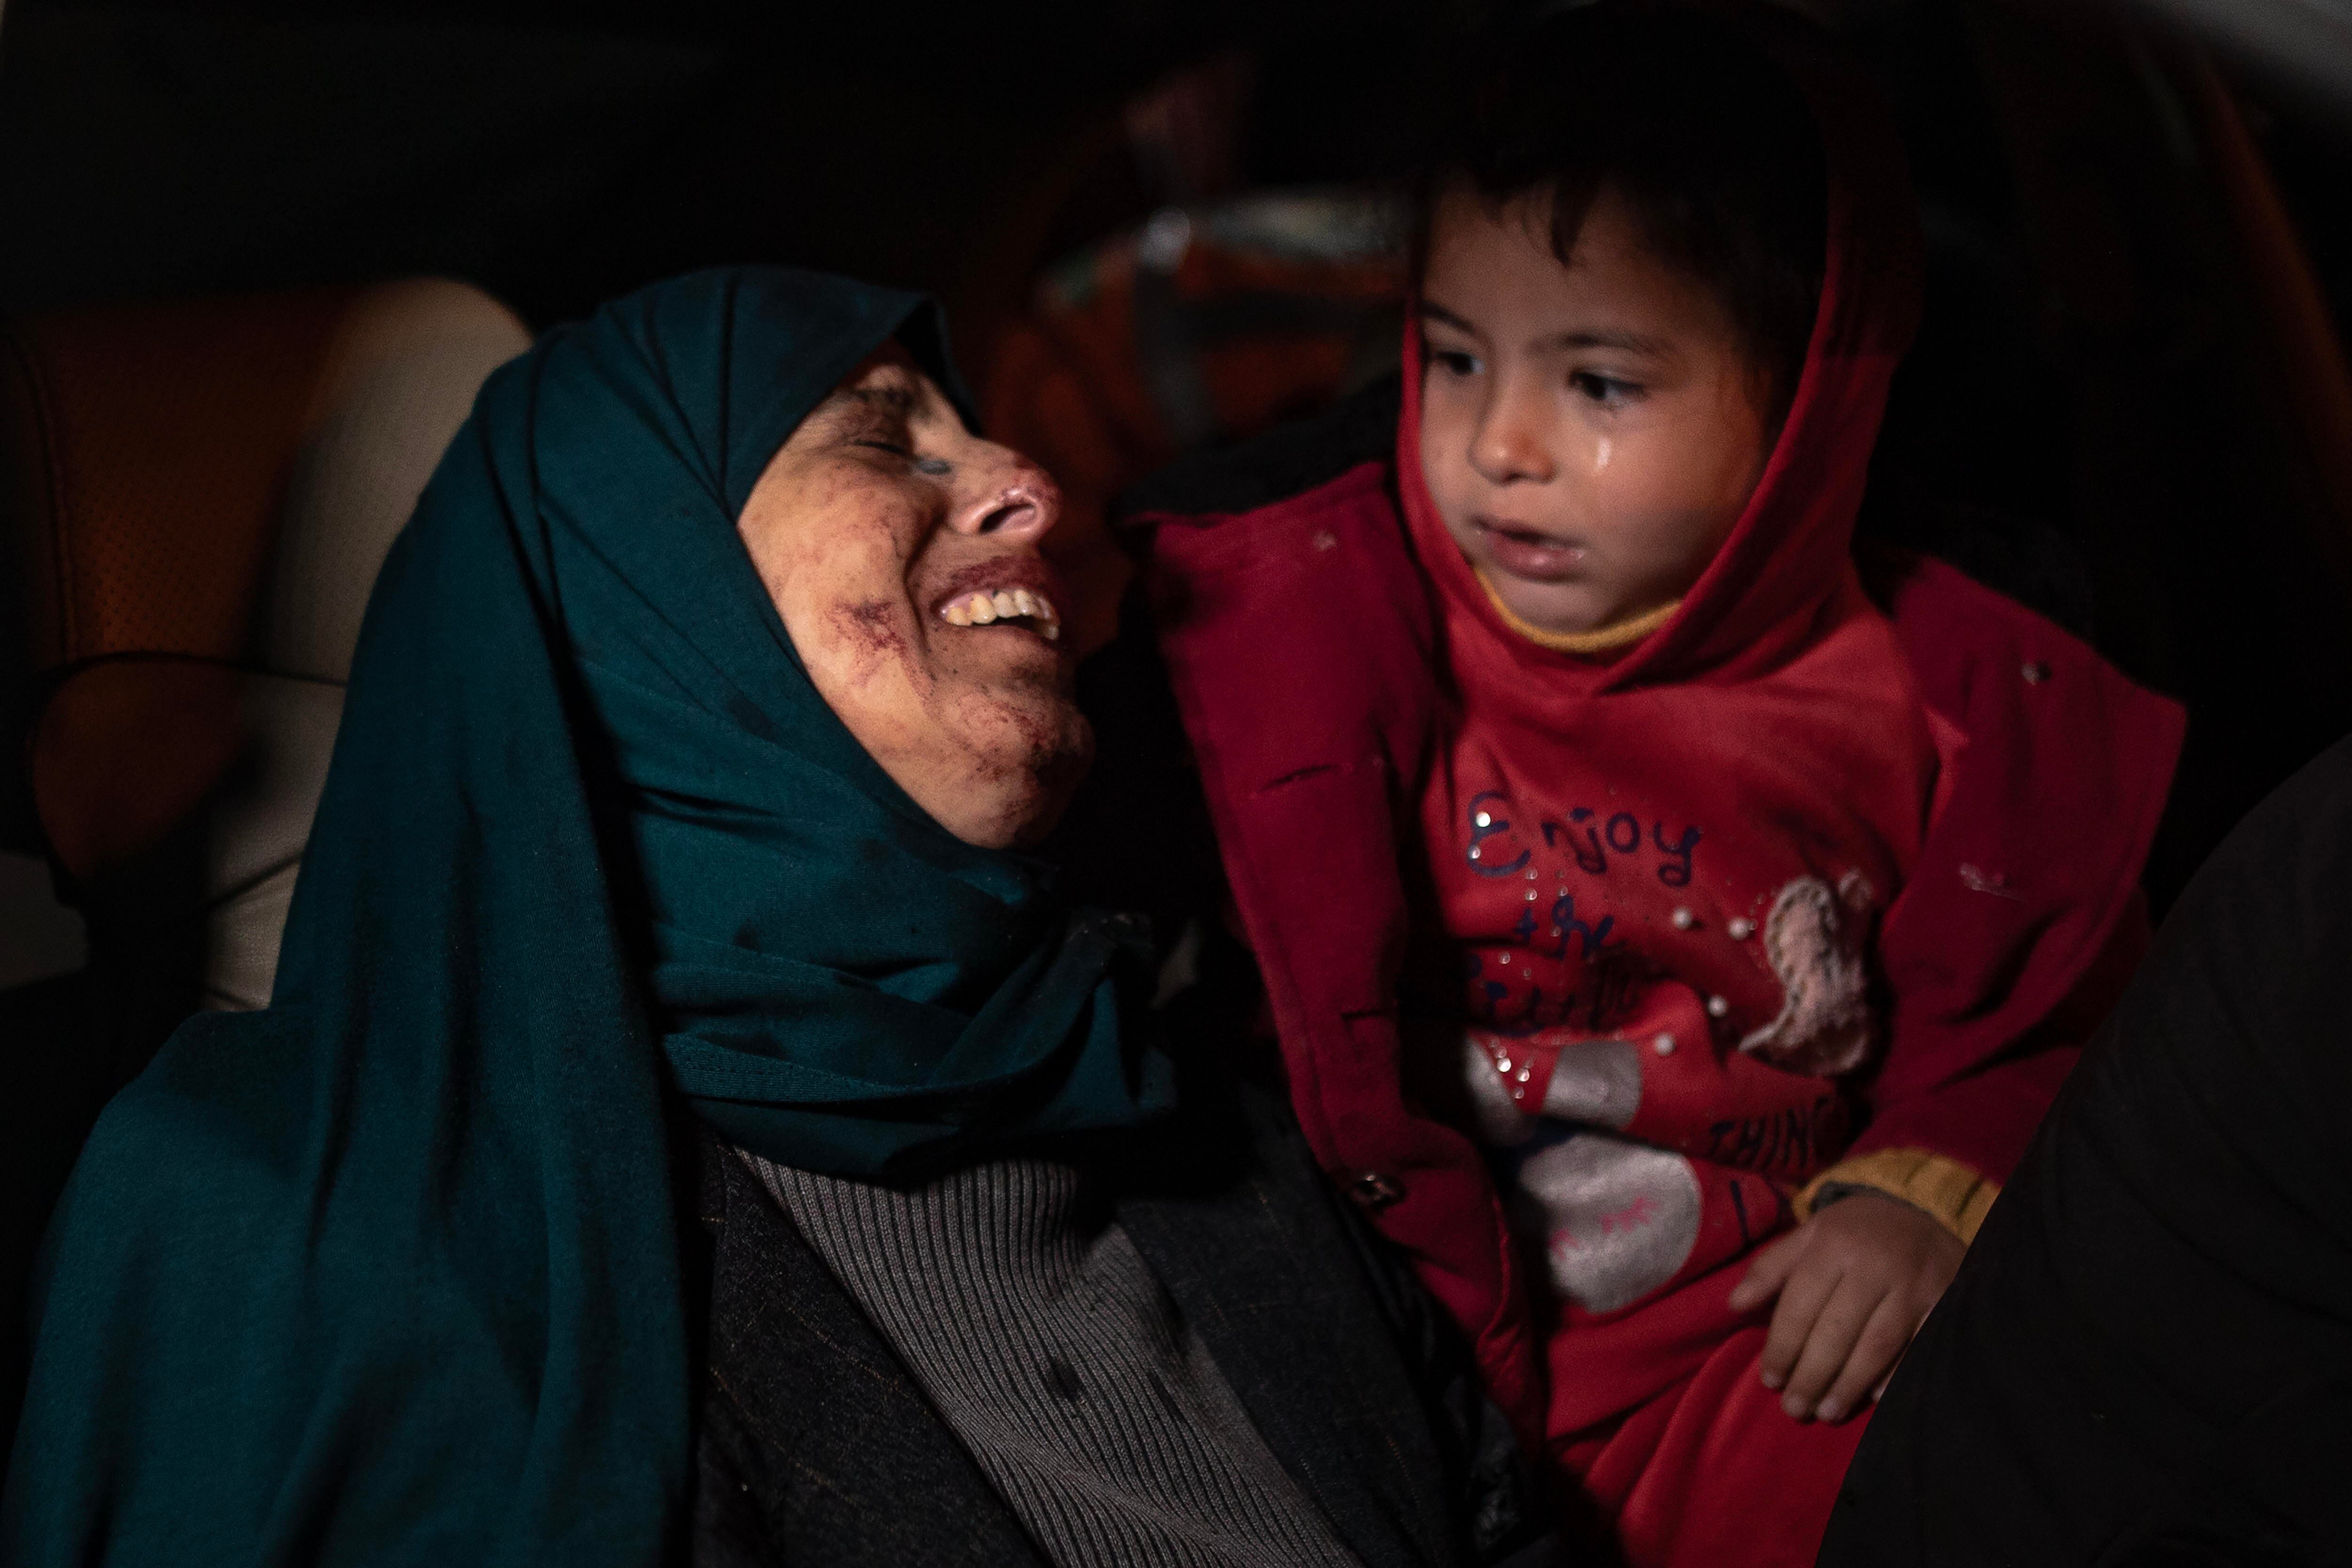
[1673,942]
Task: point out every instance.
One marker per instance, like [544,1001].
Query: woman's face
[902,552]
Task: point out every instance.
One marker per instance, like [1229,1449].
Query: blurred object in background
[1208,325]
[1186,133]
[2297,52]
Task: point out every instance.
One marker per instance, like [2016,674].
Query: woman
[675,853]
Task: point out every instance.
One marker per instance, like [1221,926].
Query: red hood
[1754,605]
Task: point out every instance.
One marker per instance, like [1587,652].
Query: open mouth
[1527,553]
[1019,607]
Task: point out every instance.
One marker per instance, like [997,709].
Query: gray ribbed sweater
[1037,1328]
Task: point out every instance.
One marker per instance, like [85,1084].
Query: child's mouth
[1524,552]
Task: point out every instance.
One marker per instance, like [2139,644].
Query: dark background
[559,153]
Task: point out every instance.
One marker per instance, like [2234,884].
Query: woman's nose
[1018,501]
[1506,447]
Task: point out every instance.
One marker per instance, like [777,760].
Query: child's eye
[1607,391]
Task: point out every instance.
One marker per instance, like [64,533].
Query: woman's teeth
[1004,604]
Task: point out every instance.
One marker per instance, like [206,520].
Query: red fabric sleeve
[1985,1117]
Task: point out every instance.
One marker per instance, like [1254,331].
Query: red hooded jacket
[1326,647]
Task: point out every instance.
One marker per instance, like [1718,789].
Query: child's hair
[1709,143]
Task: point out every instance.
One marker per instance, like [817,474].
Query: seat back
[198,497]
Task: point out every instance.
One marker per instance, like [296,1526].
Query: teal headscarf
[390,1272]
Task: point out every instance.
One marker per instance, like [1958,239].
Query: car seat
[195,499]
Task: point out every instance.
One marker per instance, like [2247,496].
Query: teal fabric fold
[390,1272]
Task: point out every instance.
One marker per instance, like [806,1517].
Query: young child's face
[1590,432]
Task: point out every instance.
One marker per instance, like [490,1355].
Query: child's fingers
[1875,1353]
[1769,1272]
[1830,1345]
[1803,1296]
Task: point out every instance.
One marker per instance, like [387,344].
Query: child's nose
[1507,448]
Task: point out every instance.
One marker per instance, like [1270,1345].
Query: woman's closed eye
[904,450]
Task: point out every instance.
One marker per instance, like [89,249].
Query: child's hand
[1855,1281]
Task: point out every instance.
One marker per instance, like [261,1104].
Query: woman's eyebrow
[852,408]
[898,399]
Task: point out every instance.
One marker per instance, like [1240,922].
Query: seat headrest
[200,495]
[204,489]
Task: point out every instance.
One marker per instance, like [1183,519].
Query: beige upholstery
[196,497]
[412,357]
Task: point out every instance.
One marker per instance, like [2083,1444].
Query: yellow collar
[1600,640]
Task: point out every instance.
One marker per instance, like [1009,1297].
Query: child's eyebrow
[1625,343]
[1431,310]
[1629,342]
